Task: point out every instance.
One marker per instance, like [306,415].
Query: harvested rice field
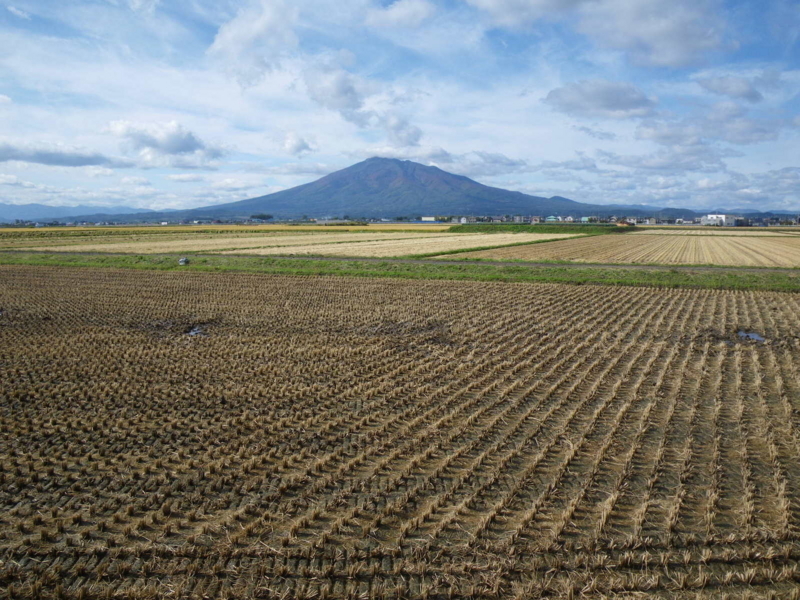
[409,246]
[782,251]
[321,242]
[223,242]
[210,435]
[747,232]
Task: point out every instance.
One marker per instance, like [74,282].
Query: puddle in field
[750,335]
[196,330]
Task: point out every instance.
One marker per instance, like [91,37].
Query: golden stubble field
[319,242]
[278,242]
[716,231]
[190,435]
[742,251]
[386,248]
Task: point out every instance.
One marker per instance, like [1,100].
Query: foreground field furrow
[397,455]
[442,448]
[512,495]
[555,507]
[263,436]
[696,504]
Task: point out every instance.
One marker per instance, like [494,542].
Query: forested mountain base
[212,435]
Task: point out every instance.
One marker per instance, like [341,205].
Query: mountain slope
[380,187]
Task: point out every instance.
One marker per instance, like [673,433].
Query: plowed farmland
[322,243]
[270,241]
[210,435]
[746,232]
[409,245]
[745,251]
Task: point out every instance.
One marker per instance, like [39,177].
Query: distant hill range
[36,212]
[389,188]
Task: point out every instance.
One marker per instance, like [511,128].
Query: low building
[718,220]
[428,219]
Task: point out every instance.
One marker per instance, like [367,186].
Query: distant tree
[262,216]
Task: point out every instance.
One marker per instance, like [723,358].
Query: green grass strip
[664,278]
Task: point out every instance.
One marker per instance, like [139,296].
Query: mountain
[388,188]
[41,212]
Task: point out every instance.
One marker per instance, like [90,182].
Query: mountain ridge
[35,212]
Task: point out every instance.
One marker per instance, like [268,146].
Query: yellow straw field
[747,232]
[194,243]
[409,246]
[746,251]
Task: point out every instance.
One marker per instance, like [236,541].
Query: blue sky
[172,104]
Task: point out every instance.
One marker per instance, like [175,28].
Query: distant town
[712,219]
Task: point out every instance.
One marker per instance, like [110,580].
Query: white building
[428,219]
[719,220]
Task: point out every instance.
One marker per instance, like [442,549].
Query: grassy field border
[662,278]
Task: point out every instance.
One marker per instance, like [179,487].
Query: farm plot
[410,246]
[193,243]
[781,251]
[192,435]
[138,240]
[757,232]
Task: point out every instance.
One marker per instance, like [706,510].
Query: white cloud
[734,87]
[256,39]
[144,5]
[598,134]
[135,181]
[15,181]
[664,33]
[722,122]
[670,33]
[165,144]
[4,99]
[302,168]
[337,89]
[670,134]
[400,131]
[680,159]
[17,12]
[95,172]
[56,155]
[516,13]
[601,98]
[186,177]
[233,184]
[295,145]
[581,163]
[402,13]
